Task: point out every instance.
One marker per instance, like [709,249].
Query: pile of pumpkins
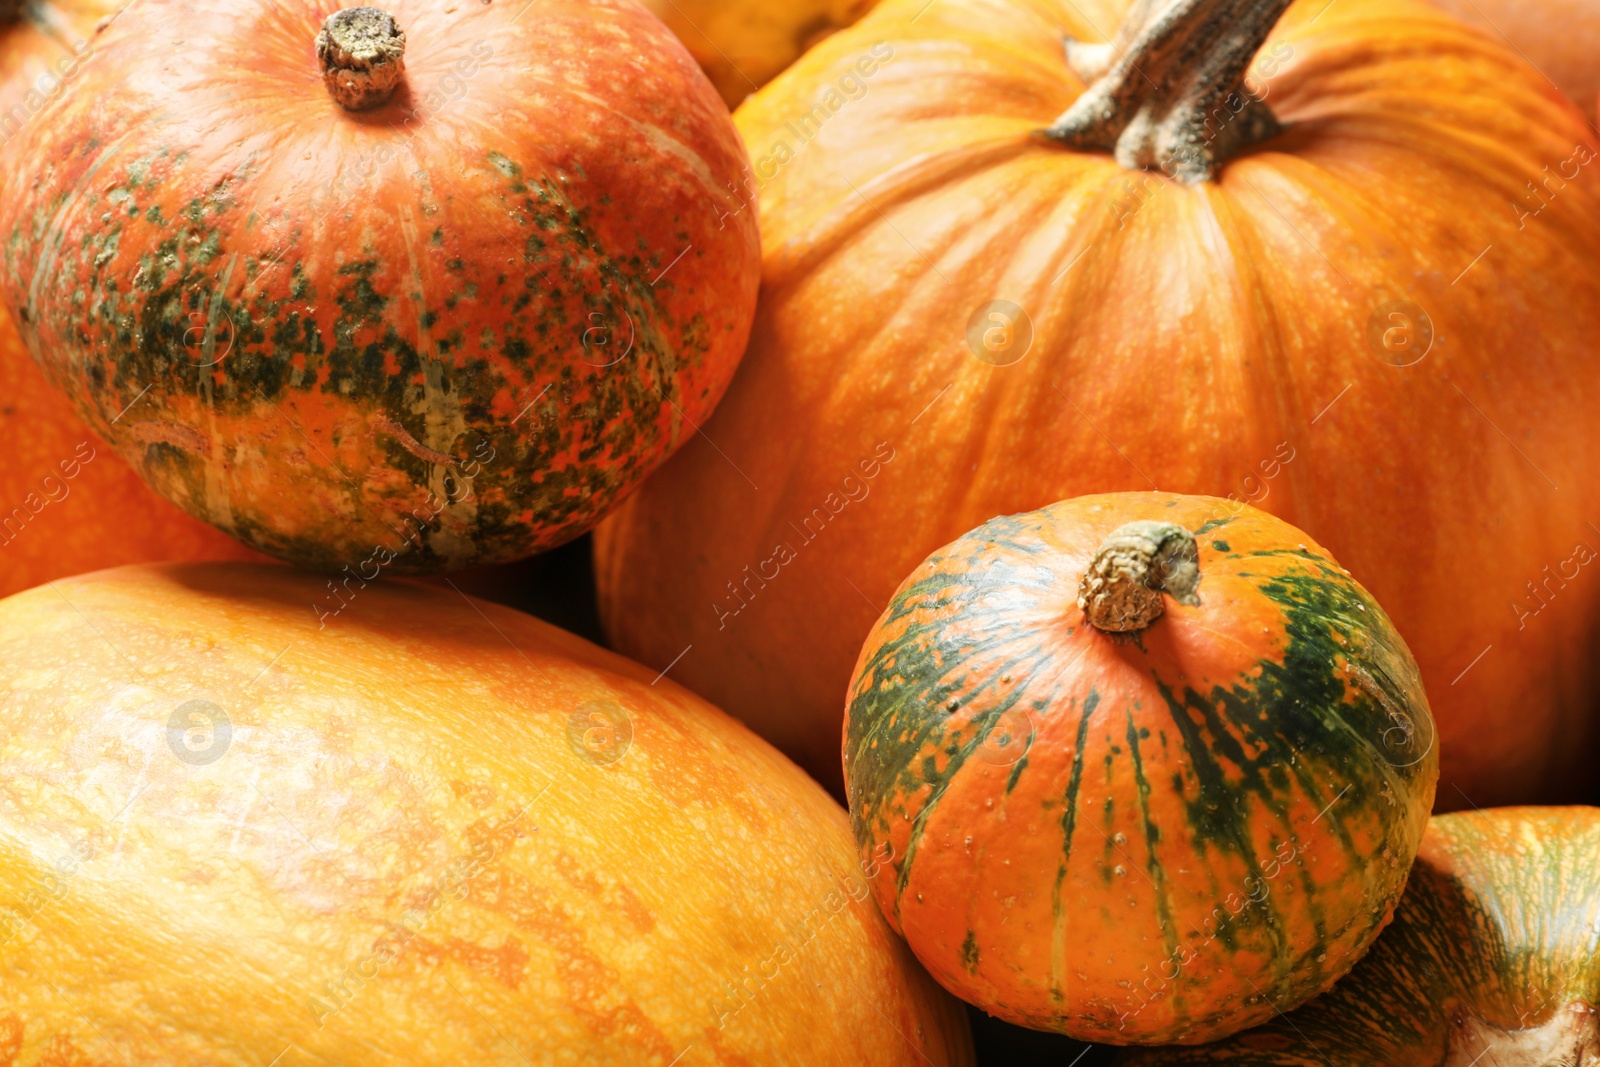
[1137,455]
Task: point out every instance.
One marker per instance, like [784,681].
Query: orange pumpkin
[67,503]
[1491,960]
[1345,323]
[1560,38]
[411,292]
[1151,769]
[429,831]
[743,44]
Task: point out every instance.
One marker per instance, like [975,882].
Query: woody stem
[363,57]
[1168,92]
[1120,591]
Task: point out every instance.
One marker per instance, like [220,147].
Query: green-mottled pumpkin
[453,324]
[1493,960]
[1128,815]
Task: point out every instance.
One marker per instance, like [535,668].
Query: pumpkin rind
[68,504]
[1558,37]
[1164,836]
[1223,338]
[458,327]
[1493,957]
[408,845]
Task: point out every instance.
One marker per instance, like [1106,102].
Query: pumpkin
[1129,820]
[1491,959]
[1344,324]
[742,45]
[1558,37]
[427,831]
[67,503]
[411,290]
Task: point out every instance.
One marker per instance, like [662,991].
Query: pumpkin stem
[11,11]
[363,57]
[1169,92]
[1121,589]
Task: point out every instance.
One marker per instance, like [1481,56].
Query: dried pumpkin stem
[1169,93]
[363,57]
[1121,589]
[11,11]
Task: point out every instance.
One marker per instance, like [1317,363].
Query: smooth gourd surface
[432,831]
[1156,837]
[1493,959]
[1235,337]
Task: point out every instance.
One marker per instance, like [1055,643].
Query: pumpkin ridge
[956,760]
[1152,837]
[832,232]
[1069,820]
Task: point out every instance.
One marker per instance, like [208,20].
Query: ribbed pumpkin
[1493,960]
[432,832]
[1559,37]
[1133,817]
[435,289]
[743,44]
[1348,325]
[67,503]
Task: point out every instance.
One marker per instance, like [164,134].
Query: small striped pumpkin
[1147,768]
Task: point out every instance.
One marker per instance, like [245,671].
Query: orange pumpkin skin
[453,329]
[433,832]
[1490,960]
[1560,38]
[743,44]
[60,513]
[1221,338]
[1154,837]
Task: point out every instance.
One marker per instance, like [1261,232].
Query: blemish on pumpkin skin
[60,1051]
[507,964]
[10,1039]
[618,894]
[593,991]
[969,953]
